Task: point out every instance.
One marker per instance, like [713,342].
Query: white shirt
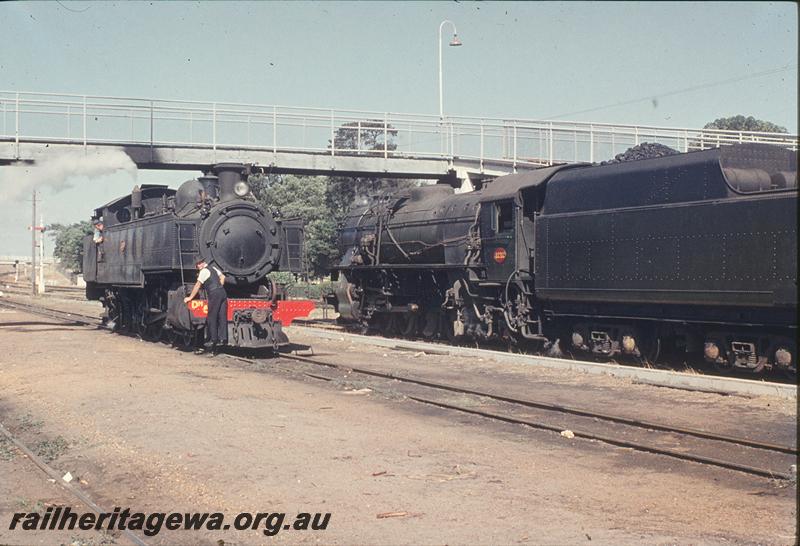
[205,274]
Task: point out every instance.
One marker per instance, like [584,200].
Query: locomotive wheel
[650,349]
[398,324]
[724,367]
[564,348]
[390,326]
[381,323]
[141,330]
[406,324]
[180,339]
[446,327]
[153,332]
[789,373]
[784,346]
[412,325]
[431,326]
[186,339]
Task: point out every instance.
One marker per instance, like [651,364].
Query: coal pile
[645,150]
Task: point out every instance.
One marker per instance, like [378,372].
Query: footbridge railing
[85,119]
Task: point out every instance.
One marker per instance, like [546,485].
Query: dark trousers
[218,316]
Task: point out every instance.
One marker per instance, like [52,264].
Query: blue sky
[527,60]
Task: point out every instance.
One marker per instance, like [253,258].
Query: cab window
[503,217]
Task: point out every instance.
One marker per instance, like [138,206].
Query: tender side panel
[697,254]
[671,231]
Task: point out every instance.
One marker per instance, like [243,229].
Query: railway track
[704,447]
[693,445]
[67,316]
[56,478]
[66,292]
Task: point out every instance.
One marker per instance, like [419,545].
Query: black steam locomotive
[694,252]
[142,263]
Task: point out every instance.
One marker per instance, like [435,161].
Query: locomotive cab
[499,222]
[509,206]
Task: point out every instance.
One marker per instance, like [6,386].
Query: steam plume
[17,181]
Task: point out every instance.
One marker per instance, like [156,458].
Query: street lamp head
[455,41]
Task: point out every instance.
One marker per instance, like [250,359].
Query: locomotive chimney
[231,181]
[136,202]
[210,185]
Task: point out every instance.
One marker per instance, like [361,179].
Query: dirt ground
[144,426]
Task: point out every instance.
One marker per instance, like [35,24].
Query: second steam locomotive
[694,252]
[142,263]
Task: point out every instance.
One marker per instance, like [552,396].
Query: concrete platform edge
[662,378]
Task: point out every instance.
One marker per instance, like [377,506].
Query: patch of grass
[101,540]
[7,449]
[50,450]
[28,422]
[27,506]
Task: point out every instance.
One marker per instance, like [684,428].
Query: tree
[741,123]
[69,243]
[368,137]
[303,197]
[323,202]
[364,137]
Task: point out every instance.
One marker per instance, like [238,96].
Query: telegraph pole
[41,255]
[33,246]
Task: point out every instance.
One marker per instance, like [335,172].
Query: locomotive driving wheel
[188,339]
[152,332]
[431,324]
[180,338]
[141,329]
[381,322]
[402,325]
[407,324]
[447,318]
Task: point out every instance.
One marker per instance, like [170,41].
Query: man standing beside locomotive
[217,319]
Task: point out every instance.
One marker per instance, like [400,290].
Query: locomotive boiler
[142,263]
[692,253]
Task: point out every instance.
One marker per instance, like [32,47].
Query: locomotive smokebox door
[241,240]
[497,230]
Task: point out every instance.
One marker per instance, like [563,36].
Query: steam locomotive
[142,264]
[694,253]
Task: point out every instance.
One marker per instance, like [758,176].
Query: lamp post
[454,42]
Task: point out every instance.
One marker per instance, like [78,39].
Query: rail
[86,119]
